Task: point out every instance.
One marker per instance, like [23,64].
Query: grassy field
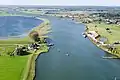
[25,40]
[18,67]
[8,45]
[101,28]
[11,68]
[4,13]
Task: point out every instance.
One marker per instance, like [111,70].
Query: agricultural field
[12,68]
[101,29]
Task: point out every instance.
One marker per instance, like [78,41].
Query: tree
[40,32]
[34,35]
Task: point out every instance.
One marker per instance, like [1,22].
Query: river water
[84,61]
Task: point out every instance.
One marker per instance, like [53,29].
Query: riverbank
[30,72]
[19,66]
[111,37]
[30,68]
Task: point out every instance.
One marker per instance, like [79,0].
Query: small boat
[67,54]
[84,34]
[51,44]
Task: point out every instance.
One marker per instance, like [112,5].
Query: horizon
[62,2]
[62,5]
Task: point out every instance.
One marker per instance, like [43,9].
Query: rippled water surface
[17,25]
[84,61]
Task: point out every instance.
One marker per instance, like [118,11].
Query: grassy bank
[31,70]
[42,29]
[19,67]
[112,35]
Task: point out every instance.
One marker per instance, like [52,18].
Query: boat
[67,54]
[51,44]
[84,34]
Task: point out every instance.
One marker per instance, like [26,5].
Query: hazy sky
[61,2]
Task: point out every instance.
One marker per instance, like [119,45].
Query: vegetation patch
[11,68]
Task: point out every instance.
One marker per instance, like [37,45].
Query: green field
[101,28]
[2,13]
[11,68]
[8,45]
[17,67]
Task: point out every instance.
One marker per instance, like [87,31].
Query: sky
[62,2]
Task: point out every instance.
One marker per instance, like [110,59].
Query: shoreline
[30,74]
[100,47]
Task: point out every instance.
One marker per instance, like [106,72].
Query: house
[33,46]
[94,34]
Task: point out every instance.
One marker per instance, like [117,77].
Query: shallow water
[17,25]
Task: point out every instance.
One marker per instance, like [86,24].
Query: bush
[20,51]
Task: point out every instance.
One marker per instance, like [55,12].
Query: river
[84,61]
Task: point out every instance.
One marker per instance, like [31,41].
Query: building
[94,35]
